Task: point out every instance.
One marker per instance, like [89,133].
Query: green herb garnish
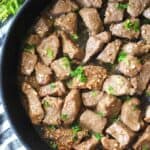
[110,90]
[74,37]
[66,62]
[75,129]
[122,56]
[52,86]
[64,117]
[46,104]
[101,114]
[53,145]
[50,53]
[94,93]
[130,25]
[52,127]
[145,147]
[79,74]
[147,93]
[98,136]
[29,46]
[122,6]
[134,107]
[114,118]
[9,7]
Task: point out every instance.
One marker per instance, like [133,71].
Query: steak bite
[145,32]
[112,13]
[35,110]
[110,144]
[118,85]
[136,7]
[147,114]
[131,114]
[94,77]
[108,105]
[109,54]
[92,121]
[91,98]
[143,141]
[55,89]
[70,48]
[136,49]
[63,6]
[124,30]
[43,74]
[61,67]
[67,22]
[130,66]
[71,107]
[28,63]
[142,79]
[121,133]
[146,13]
[43,26]
[52,107]
[92,20]
[48,49]
[89,144]
[90,3]
[33,40]
[95,44]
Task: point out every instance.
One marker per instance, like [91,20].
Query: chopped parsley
[64,117]
[101,114]
[94,93]
[147,93]
[52,127]
[110,90]
[122,56]
[9,7]
[122,6]
[75,129]
[46,104]
[74,37]
[79,74]
[53,145]
[66,62]
[134,107]
[29,48]
[130,25]
[50,53]
[114,118]
[98,136]
[52,86]
[145,147]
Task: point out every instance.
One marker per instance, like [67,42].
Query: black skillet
[9,59]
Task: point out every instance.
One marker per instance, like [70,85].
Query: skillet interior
[9,59]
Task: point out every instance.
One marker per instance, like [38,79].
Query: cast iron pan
[9,59]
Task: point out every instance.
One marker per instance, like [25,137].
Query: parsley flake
[52,86]
[46,104]
[110,90]
[64,117]
[94,93]
[66,62]
[122,6]
[122,56]
[74,37]
[98,136]
[50,53]
[147,93]
[101,114]
[53,145]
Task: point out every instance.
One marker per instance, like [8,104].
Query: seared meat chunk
[28,63]
[63,6]
[121,133]
[90,3]
[33,40]
[147,114]
[145,31]
[52,107]
[92,20]
[95,76]
[48,49]
[143,141]
[91,98]
[92,121]
[43,74]
[122,30]
[71,107]
[118,85]
[61,68]
[142,79]
[67,22]
[112,13]
[89,144]
[65,137]
[136,49]
[95,44]
[130,66]
[110,144]
[109,54]
[70,48]
[56,89]
[43,26]
[35,110]
[131,114]
[146,13]
[136,7]
[108,105]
